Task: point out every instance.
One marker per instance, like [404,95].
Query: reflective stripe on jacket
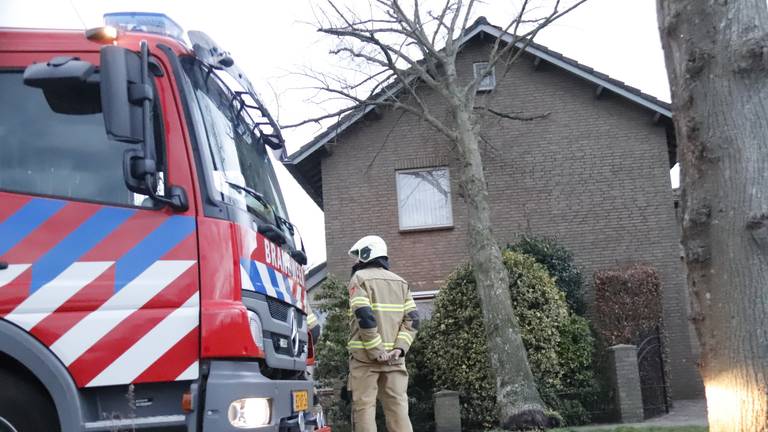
[312,325]
[383,313]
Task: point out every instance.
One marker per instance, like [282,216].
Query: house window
[489,82]
[424,198]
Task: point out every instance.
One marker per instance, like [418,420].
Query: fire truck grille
[278,310]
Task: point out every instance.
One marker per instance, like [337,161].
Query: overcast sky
[270,39]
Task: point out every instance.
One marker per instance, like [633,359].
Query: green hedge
[559,262]
[331,350]
[627,303]
[559,343]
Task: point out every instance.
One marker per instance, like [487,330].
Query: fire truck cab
[149,275]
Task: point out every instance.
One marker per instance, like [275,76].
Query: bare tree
[718,64]
[402,51]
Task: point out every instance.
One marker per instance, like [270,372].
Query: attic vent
[489,82]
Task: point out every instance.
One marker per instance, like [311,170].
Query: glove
[395,355]
[384,357]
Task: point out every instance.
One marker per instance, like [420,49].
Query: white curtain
[424,198]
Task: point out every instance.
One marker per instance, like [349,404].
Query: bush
[627,303]
[559,344]
[559,262]
[628,311]
[331,350]
[421,383]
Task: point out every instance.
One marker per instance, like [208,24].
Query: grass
[632,429]
[640,429]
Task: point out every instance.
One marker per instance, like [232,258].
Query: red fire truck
[149,276]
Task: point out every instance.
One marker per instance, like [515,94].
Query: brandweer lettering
[279,259]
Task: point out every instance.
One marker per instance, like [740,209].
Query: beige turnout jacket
[383,315]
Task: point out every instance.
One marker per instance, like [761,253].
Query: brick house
[594,173]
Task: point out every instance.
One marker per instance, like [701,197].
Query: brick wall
[594,173]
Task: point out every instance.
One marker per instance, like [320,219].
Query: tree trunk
[520,405]
[717,63]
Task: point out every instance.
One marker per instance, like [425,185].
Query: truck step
[136,423]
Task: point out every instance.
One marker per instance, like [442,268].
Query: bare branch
[380,97]
[318,119]
[450,46]
[467,15]
[384,143]
[416,31]
[387,51]
[515,115]
[440,19]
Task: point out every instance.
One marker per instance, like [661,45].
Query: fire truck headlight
[256,330]
[249,413]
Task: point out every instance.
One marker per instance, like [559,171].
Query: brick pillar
[626,382]
[447,411]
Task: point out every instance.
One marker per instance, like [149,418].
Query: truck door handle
[3,265]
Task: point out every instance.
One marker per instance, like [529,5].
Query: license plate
[300,400]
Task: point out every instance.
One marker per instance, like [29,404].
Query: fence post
[626,380]
[447,411]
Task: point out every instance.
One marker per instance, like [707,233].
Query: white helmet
[368,248]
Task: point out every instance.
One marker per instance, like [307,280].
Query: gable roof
[304,164]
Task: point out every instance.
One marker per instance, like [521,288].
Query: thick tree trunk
[520,405]
[717,62]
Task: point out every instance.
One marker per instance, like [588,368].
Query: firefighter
[383,322]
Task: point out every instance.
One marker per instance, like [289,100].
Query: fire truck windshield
[242,170]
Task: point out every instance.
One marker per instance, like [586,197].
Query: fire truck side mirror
[122,94]
[69,84]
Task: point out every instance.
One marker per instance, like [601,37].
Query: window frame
[491,77]
[447,226]
[160,144]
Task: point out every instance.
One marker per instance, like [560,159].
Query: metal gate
[653,382]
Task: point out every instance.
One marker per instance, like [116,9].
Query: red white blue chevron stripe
[113,292]
[259,277]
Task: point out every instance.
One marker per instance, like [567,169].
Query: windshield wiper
[270,231]
[256,195]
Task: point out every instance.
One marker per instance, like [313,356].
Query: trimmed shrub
[559,344]
[559,262]
[628,311]
[627,303]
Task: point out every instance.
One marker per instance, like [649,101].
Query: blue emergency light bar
[147,22]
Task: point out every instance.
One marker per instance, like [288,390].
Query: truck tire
[25,405]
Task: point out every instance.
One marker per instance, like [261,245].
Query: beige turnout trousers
[389,383]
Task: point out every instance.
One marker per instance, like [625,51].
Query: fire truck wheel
[25,406]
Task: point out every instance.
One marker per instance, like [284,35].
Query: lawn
[638,429]
[630,429]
